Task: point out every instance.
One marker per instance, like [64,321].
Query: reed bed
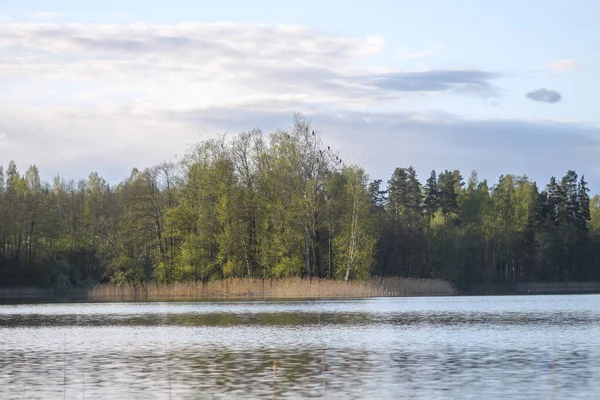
[295,288]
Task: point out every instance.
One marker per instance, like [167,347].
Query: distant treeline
[286,205]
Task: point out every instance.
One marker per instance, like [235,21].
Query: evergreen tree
[447,188]
[584,205]
[568,214]
[378,196]
[431,202]
[554,199]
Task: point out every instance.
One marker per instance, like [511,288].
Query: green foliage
[285,205]
[355,244]
[287,267]
[59,275]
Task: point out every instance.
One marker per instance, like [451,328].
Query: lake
[512,347]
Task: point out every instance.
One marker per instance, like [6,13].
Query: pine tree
[397,188]
[584,204]
[414,195]
[569,212]
[378,196]
[448,196]
[554,199]
[431,203]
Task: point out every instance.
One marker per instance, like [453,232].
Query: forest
[286,205]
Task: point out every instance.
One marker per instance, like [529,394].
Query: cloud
[441,80]
[196,39]
[563,66]
[545,96]
[78,98]
[113,140]
[77,142]
[210,63]
[185,63]
[42,15]
[438,140]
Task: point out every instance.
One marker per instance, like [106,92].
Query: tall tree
[355,244]
[431,203]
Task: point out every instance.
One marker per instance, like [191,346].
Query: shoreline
[241,289]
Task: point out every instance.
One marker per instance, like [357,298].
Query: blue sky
[435,84]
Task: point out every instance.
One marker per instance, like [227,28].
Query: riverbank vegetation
[286,205]
[290,288]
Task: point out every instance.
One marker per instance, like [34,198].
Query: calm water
[534,347]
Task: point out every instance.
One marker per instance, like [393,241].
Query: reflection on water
[534,347]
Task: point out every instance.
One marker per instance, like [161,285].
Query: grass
[273,289]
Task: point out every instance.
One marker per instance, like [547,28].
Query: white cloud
[77,98]
[188,62]
[563,66]
[76,142]
[113,139]
[202,63]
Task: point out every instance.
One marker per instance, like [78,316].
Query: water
[532,347]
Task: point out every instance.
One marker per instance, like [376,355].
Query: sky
[498,86]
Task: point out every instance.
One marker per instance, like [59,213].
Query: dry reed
[274,289]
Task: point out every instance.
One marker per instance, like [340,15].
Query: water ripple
[464,348]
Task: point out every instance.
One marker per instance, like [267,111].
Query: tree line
[286,205]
